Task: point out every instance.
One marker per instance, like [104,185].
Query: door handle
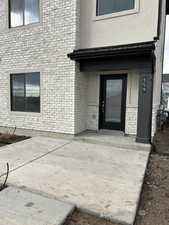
[103,106]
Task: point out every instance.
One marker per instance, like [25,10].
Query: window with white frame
[113,6]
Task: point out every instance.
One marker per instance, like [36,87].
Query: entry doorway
[113,89]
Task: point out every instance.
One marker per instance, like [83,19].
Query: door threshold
[112,132]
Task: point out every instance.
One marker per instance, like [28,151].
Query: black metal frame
[11,91]
[9,13]
[102,123]
[97,5]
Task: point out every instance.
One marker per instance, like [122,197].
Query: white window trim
[117,14]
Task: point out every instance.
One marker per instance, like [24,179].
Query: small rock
[148,183]
[149,203]
[107,206]
[142,213]
[29,204]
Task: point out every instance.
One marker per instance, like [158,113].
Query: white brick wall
[81,85]
[131,120]
[43,48]
[93,117]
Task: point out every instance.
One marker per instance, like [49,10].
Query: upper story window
[25,92]
[113,6]
[23,12]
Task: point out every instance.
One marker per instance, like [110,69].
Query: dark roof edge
[167,7]
[110,51]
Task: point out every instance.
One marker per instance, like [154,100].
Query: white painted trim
[118,14]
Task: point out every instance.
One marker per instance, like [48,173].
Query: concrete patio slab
[22,207]
[102,180]
[26,151]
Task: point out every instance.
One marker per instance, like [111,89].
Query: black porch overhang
[122,57]
[112,51]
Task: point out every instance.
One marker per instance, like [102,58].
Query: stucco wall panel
[129,28]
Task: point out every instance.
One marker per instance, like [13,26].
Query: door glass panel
[113,100]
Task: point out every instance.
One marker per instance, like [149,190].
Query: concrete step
[109,139]
[18,207]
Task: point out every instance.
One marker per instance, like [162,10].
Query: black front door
[113,102]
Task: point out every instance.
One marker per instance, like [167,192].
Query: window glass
[25,92]
[32,94]
[23,12]
[31,11]
[18,92]
[16,13]
[113,6]
[113,100]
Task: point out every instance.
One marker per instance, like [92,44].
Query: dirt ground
[10,138]
[154,204]
[161,140]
